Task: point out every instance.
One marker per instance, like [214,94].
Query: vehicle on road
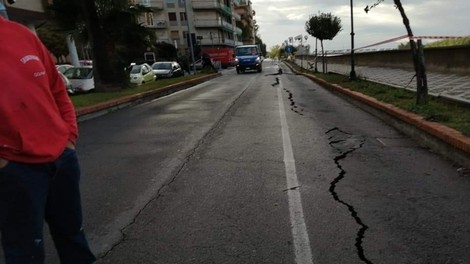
[63,67]
[222,55]
[141,73]
[167,69]
[81,79]
[68,84]
[248,57]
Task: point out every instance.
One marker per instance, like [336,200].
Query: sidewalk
[451,86]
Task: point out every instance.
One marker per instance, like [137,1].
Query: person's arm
[62,99]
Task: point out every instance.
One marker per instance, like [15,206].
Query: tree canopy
[112,29]
[323,26]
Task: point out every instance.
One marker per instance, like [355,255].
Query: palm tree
[323,26]
[113,33]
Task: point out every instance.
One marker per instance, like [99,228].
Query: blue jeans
[32,193]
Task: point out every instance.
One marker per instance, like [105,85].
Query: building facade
[27,12]
[213,22]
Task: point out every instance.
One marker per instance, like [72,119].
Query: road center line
[303,254]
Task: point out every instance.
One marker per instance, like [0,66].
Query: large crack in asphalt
[345,144]
[293,106]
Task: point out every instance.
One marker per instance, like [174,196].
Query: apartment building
[246,13]
[213,22]
[27,12]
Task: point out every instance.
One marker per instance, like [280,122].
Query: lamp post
[189,17]
[303,48]
[352,75]
[316,54]
[301,55]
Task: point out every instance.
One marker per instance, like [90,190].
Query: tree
[261,45]
[404,46]
[111,29]
[275,52]
[417,53]
[323,26]
[54,39]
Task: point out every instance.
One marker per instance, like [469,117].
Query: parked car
[63,67]
[68,84]
[81,79]
[197,64]
[167,69]
[141,73]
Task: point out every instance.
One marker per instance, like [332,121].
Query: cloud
[280,19]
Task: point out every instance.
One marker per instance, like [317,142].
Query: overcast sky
[280,19]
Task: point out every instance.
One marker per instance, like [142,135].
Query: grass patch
[93,98]
[450,114]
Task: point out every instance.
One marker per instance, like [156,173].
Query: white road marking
[303,254]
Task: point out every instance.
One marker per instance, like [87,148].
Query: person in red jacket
[39,169]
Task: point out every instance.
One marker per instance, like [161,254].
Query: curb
[439,138]
[112,105]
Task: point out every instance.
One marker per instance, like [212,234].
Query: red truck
[222,54]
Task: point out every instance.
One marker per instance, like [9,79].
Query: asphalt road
[242,169]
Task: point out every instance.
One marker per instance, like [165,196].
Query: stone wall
[447,60]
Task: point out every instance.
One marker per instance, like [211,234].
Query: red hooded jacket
[37,117]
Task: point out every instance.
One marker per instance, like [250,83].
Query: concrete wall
[448,60]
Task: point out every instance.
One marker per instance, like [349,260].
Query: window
[183,16]
[181,3]
[172,18]
[175,34]
[170,3]
[149,18]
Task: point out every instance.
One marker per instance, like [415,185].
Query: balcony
[159,24]
[212,5]
[245,3]
[208,23]
[152,4]
[236,16]
[225,42]
[27,12]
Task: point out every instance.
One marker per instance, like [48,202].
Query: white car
[68,84]
[63,67]
[81,79]
[141,73]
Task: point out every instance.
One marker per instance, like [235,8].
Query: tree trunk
[421,88]
[105,75]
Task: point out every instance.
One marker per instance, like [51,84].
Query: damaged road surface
[253,169]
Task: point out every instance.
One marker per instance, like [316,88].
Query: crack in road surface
[345,144]
[293,106]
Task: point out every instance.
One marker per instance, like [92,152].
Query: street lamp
[303,48]
[352,75]
[187,8]
[316,54]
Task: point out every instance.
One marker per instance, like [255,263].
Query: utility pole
[189,17]
[352,75]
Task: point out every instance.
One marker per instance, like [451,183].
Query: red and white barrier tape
[414,38]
